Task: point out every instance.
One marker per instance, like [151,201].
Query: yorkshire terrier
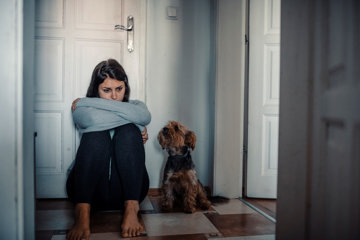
[180,186]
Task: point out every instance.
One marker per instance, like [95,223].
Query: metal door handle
[130,32]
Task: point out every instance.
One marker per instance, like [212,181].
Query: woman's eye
[106,90]
[119,89]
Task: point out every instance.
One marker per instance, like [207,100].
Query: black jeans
[93,181]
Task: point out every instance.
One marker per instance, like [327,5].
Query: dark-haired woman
[109,170]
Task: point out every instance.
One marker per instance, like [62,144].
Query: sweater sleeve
[134,111]
[95,114]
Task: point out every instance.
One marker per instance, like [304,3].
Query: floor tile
[234,206]
[102,222]
[54,219]
[109,221]
[242,224]
[177,224]
[156,203]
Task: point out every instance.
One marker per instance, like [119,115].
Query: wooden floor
[235,219]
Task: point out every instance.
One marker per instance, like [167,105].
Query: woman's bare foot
[131,226]
[81,228]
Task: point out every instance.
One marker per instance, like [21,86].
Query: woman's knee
[128,134]
[95,140]
[94,147]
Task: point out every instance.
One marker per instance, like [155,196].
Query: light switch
[172,13]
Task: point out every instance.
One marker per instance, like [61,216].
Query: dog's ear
[190,139]
[161,141]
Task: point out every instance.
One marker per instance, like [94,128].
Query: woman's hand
[144,135]
[73,106]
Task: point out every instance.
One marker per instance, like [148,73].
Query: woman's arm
[89,119]
[95,114]
[134,111]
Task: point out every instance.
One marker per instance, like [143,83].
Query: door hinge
[245,149]
[246,40]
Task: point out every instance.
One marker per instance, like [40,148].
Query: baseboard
[154,192]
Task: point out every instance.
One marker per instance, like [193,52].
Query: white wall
[180,79]
[8,147]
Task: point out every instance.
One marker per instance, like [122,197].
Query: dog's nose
[165,130]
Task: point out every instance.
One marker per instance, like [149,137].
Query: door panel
[50,13]
[49,71]
[51,144]
[89,14]
[71,38]
[263,125]
[88,54]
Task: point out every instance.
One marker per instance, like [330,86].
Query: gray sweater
[98,114]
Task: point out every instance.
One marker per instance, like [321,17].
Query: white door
[71,38]
[263,125]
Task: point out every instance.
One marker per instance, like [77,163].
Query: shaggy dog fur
[180,186]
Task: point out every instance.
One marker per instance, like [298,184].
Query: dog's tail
[218,199]
[215,199]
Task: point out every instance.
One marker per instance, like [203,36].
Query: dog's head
[175,138]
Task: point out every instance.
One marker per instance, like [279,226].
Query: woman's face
[112,89]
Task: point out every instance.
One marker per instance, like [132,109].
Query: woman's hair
[108,69]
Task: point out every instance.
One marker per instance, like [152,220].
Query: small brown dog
[180,186]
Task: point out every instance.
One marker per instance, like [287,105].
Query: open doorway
[261,124]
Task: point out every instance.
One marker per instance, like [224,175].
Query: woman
[109,170]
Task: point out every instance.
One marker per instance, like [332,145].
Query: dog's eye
[176,128]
